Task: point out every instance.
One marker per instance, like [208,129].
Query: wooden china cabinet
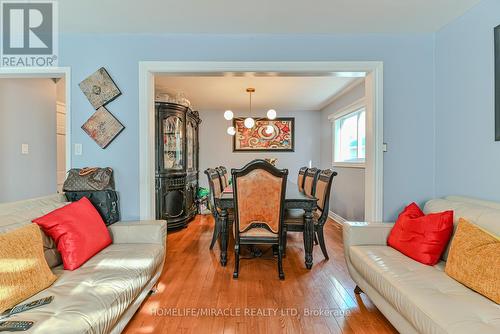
[176,176]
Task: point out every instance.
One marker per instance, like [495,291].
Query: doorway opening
[152,74]
[35,132]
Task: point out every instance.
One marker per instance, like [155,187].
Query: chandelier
[249,122]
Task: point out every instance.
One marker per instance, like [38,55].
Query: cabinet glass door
[195,146]
[190,146]
[173,154]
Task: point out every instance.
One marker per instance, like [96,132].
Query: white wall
[348,190]
[27,116]
[216,146]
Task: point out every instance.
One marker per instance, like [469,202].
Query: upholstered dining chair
[301,177]
[216,189]
[294,219]
[259,196]
[310,180]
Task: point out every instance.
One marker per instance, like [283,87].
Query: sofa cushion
[474,260]
[78,231]
[16,214]
[430,300]
[23,269]
[421,237]
[482,213]
[92,298]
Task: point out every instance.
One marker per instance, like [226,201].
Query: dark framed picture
[266,135]
[497,83]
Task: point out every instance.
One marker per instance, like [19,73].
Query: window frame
[352,108]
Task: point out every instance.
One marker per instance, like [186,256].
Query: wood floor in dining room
[193,282]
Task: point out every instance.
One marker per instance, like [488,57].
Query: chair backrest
[223,176]
[301,178]
[310,181]
[259,196]
[215,185]
[323,187]
[226,175]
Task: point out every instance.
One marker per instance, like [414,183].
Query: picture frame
[497,82]
[257,140]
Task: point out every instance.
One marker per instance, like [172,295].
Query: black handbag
[105,201]
[89,178]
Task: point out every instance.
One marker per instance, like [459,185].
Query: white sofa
[102,295]
[417,298]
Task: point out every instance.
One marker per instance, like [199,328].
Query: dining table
[294,199]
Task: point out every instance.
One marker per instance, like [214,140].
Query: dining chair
[301,178]
[294,219]
[311,176]
[259,196]
[215,185]
[223,176]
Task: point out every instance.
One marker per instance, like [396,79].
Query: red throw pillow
[421,237]
[78,231]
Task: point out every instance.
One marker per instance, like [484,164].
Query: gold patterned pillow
[23,268]
[474,260]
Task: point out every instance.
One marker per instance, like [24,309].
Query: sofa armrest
[139,232]
[363,233]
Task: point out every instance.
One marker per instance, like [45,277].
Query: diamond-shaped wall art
[99,88]
[102,127]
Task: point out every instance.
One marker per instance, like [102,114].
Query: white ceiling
[289,93]
[258,16]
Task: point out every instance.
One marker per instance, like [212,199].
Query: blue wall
[408,95]
[467,157]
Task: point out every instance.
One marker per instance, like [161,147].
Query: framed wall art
[99,88]
[102,127]
[266,135]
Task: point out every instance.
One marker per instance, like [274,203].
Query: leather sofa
[414,297]
[103,294]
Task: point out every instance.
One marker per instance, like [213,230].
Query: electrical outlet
[25,149]
[78,149]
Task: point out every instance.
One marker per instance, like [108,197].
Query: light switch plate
[25,149]
[384,147]
[78,149]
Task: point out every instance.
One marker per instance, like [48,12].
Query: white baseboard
[336,217]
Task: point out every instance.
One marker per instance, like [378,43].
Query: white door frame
[374,126]
[47,73]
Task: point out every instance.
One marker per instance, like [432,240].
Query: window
[349,137]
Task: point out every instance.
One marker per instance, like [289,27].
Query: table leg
[308,237]
[224,240]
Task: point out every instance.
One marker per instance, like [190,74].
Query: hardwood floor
[317,301]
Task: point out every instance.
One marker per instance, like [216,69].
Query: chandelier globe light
[271,114]
[249,122]
[228,115]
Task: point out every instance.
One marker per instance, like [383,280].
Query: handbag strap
[87,171]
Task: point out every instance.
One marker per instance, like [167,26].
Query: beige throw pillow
[23,268]
[474,260]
